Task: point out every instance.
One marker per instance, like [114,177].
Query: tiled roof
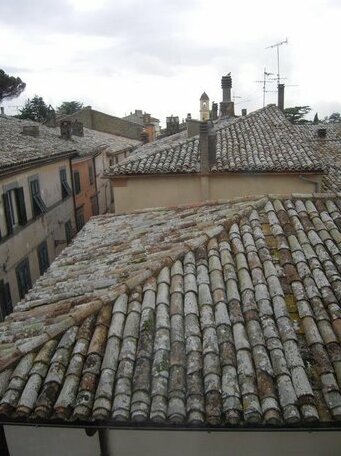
[262,141]
[217,314]
[328,149]
[16,148]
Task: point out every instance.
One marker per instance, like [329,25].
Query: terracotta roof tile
[243,328]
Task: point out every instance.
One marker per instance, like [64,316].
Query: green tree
[69,107]
[334,118]
[296,114]
[10,86]
[35,109]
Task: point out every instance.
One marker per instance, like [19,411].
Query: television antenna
[277,46]
[264,81]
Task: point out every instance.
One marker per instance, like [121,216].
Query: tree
[296,114]
[10,86]
[334,118]
[69,107]
[35,109]
[316,119]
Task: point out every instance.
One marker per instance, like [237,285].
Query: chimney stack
[65,129]
[244,112]
[203,147]
[207,146]
[2,110]
[322,133]
[146,118]
[226,85]
[214,111]
[172,125]
[77,128]
[281,96]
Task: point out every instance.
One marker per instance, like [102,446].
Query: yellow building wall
[49,227]
[162,191]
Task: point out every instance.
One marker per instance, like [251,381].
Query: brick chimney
[77,128]
[281,96]
[214,111]
[207,146]
[66,129]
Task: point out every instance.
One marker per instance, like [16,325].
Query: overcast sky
[160,55]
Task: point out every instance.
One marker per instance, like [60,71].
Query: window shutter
[5,198]
[19,196]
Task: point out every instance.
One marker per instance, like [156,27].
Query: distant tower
[204,107]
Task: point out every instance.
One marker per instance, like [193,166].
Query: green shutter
[5,198]
[20,200]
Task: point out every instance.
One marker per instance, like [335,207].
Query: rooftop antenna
[234,97]
[277,46]
[264,82]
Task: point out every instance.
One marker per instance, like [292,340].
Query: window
[68,231]
[77,182]
[5,300]
[116,159]
[66,190]
[91,174]
[14,208]
[79,218]
[23,277]
[94,205]
[38,205]
[43,257]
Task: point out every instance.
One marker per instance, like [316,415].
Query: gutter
[92,428]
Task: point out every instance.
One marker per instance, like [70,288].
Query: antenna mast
[264,82]
[277,45]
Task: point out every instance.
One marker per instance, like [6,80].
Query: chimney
[189,116]
[244,112]
[281,96]
[322,132]
[66,129]
[30,130]
[77,128]
[2,110]
[203,147]
[226,85]
[214,111]
[223,109]
[172,125]
[207,146]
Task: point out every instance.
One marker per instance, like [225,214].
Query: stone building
[100,121]
[210,328]
[145,119]
[47,177]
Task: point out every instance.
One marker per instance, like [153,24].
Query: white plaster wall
[30,441]
[35,441]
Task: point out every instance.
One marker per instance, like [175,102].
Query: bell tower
[204,107]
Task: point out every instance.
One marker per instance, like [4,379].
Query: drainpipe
[103,442]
